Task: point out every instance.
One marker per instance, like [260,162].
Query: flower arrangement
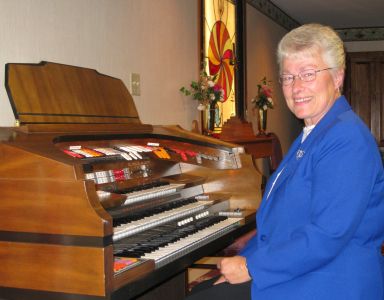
[263,100]
[205,90]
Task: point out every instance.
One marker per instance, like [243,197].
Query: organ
[97,205]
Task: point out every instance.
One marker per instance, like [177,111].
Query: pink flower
[263,99]
[217,88]
[267,91]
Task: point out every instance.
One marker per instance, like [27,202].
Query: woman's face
[310,101]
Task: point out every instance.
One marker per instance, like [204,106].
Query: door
[364,88]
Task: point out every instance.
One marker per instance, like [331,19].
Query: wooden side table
[240,132]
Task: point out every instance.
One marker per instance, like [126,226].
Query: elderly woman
[321,221]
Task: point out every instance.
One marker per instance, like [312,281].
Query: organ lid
[52,93]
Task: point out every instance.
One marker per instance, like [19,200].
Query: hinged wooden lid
[52,93]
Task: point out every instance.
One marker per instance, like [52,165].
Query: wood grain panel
[50,89]
[17,163]
[242,184]
[52,207]
[365,89]
[380,105]
[361,89]
[78,270]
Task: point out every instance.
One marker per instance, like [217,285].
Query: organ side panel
[63,269]
[40,195]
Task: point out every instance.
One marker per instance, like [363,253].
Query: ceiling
[340,14]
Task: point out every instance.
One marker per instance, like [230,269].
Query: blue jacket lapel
[297,151]
[281,168]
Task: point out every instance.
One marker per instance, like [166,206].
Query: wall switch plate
[135,84]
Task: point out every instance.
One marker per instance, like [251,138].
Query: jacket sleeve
[343,173]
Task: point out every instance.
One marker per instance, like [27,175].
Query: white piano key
[187,244]
[152,193]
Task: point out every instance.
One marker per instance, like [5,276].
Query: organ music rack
[58,206]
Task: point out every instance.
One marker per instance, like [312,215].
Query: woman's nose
[297,84]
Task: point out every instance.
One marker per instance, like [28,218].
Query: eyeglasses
[306,76]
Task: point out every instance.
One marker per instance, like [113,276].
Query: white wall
[157,39]
[263,35]
[364,46]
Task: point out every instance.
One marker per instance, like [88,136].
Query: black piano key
[142,187]
[137,215]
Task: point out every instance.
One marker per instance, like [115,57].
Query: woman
[321,221]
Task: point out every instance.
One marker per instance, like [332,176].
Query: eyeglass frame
[300,75]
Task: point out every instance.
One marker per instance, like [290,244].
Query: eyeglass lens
[306,75]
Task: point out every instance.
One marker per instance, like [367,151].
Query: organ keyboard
[97,205]
[177,242]
[130,228]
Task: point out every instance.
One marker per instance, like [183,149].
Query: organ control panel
[97,205]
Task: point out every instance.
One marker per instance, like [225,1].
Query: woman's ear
[338,78]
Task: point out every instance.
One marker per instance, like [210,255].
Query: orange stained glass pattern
[220,57]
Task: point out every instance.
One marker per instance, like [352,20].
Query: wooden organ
[97,205]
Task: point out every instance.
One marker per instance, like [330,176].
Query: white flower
[212,96]
[201,106]
[211,83]
[270,100]
[265,107]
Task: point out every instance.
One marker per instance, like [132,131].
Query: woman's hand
[233,269]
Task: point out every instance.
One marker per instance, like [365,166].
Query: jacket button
[263,237]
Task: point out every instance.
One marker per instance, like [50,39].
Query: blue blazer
[321,228]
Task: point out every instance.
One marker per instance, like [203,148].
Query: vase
[262,122]
[211,118]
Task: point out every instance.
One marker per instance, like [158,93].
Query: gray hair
[310,39]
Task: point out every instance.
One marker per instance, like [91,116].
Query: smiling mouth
[301,100]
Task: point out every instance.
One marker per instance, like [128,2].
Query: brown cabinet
[364,88]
